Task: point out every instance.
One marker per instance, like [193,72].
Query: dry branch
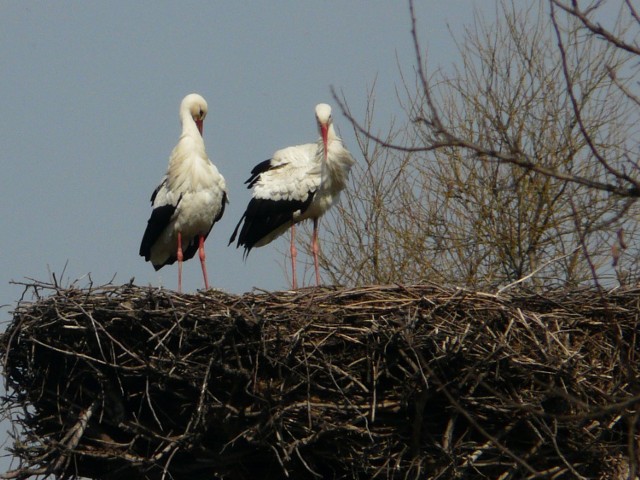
[375,382]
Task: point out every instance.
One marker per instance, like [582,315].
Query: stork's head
[323,117]
[196,106]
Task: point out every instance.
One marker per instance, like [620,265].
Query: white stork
[299,182]
[188,201]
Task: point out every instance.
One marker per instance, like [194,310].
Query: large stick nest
[377,382]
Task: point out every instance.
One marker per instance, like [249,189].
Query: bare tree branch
[596,28]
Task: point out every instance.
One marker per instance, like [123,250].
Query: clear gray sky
[89,96]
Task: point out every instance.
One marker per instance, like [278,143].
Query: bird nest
[124,382]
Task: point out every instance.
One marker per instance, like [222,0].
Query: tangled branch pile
[379,382]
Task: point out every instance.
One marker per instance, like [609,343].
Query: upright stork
[188,201]
[299,182]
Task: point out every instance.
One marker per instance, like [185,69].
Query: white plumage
[299,182]
[189,200]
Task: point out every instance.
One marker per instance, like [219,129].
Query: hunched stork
[189,200]
[299,182]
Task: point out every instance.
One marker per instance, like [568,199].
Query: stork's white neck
[189,126]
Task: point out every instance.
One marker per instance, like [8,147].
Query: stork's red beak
[324,128]
[199,125]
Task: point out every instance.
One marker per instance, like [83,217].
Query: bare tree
[516,166]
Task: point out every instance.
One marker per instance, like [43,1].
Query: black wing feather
[260,169]
[158,221]
[160,218]
[263,216]
[256,171]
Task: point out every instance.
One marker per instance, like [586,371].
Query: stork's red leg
[179,256]
[294,254]
[202,259]
[315,248]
